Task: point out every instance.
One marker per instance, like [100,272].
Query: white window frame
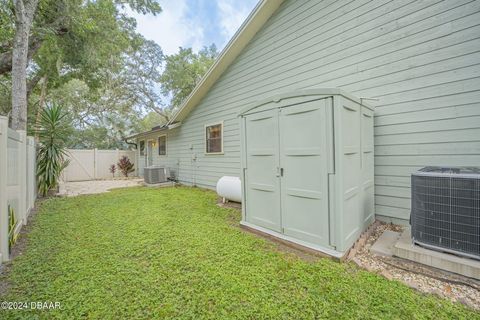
[166,145]
[205,137]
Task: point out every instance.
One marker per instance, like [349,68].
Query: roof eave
[146,133]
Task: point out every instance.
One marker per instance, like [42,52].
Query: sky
[194,23]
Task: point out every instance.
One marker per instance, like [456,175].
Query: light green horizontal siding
[421,59]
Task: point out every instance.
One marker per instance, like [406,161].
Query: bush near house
[125,166]
[112,170]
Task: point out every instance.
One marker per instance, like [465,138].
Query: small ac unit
[154,174]
[446,209]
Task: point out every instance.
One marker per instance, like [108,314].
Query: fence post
[22,176]
[31,173]
[117,158]
[4,254]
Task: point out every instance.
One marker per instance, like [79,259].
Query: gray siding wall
[421,59]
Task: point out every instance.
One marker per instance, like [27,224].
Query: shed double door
[287,171]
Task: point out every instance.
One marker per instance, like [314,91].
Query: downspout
[130,143]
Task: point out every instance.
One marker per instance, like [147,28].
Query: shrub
[125,166]
[52,131]
[113,169]
[12,224]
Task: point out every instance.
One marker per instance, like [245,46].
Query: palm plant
[52,132]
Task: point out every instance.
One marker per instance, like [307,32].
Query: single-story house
[415,62]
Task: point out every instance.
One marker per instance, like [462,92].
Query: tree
[68,39]
[102,116]
[99,119]
[24,13]
[183,71]
[87,56]
[72,19]
[140,77]
[151,120]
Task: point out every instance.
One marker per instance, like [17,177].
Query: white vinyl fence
[17,181]
[92,164]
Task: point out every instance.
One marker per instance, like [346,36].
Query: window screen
[142,148]
[214,138]
[162,145]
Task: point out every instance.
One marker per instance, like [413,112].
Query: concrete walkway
[72,189]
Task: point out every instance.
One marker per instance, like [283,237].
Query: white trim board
[205,137]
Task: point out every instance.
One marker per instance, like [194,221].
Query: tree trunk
[24,11]
[19,72]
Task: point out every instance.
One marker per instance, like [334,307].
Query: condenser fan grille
[446,210]
[154,175]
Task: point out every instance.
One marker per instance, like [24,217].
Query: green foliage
[83,39]
[95,64]
[12,224]
[107,76]
[112,170]
[171,253]
[5,94]
[102,117]
[151,120]
[141,6]
[7,23]
[125,166]
[52,133]
[184,70]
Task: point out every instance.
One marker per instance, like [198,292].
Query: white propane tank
[230,188]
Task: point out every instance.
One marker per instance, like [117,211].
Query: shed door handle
[279,172]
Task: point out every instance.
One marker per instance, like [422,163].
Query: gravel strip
[423,278]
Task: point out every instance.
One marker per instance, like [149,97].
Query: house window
[142,147]
[214,138]
[162,145]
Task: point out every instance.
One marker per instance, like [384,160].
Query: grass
[172,253]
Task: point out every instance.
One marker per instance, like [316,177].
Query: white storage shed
[307,168]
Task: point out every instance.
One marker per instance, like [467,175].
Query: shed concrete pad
[385,243]
[405,248]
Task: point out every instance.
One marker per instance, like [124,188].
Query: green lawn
[172,253]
